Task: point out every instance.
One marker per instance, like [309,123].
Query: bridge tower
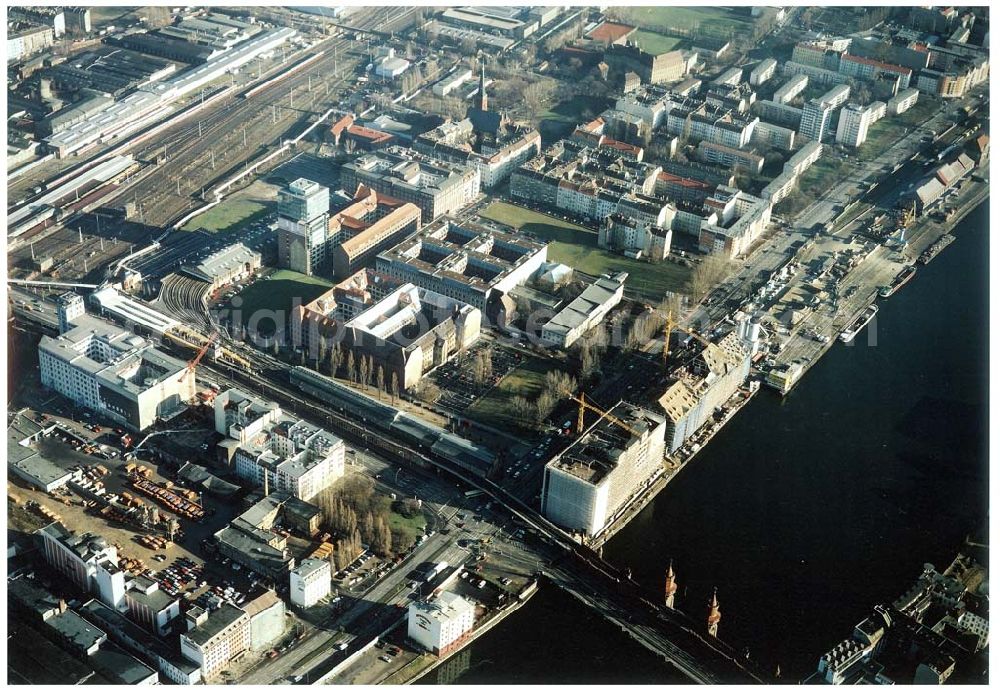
[714,614]
[670,588]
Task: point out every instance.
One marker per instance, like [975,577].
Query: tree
[320,352]
[379,380]
[394,386]
[336,356]
[710,271]
[351,369]
[521,409]
[428,392]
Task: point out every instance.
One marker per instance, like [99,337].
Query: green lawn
[413,526]
[576,246]
[710,19]
[227,215]
[526,380]
[655,43]
[275,297]
[560,119]
[886,131]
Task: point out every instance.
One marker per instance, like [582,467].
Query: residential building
[213,640]
[78,20]
[635,238]
[590,180]
[52,17]
[114,372]
[698,122]
[463,261]
[485,140]
[739,220]
[24,40]
[860,67]
[309,583]
[817,114]
[440,624]
[792,87]
[852,129]
[373,223]
[435,186]
[269,448]
[585,311]
[806,156]
[588,484]
[817,75]
[303,210]
[779,114]
[902,102]
[650,103]
[773,136]
[729,157]
[714,378]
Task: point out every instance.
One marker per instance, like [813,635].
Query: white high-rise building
[438,624]
[309,583]
[852,130]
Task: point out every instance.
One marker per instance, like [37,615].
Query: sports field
[655,43]
[709,19]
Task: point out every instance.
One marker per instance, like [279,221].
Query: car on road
[384,658]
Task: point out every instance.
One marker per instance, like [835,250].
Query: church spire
[482,86]
[714,614]
[671,586]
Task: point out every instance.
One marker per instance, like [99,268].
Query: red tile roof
[610,31]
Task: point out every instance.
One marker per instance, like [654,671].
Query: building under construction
[613,460]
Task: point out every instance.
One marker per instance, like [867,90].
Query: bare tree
[379,380]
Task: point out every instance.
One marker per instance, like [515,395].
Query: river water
[804,511]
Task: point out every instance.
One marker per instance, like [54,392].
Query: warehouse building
[114,372]
[588,484]
[410,332]
[87,560]
[652,69]
[110,71]
[584,312]
[715,377]
[223,267]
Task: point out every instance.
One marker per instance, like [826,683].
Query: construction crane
[583,405]
[193,363]
[669,327]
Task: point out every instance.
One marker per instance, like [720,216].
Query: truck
[436,570]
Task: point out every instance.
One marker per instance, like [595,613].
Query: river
[804,511]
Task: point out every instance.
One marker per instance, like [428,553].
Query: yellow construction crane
[584,405]
[669,327]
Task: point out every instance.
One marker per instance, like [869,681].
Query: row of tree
[356,515]
[556,386]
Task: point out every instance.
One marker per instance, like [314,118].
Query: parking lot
[459,390]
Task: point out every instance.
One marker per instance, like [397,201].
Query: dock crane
[669,327]
[584,405]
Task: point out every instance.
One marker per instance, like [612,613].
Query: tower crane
[584,405]
[669,327]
